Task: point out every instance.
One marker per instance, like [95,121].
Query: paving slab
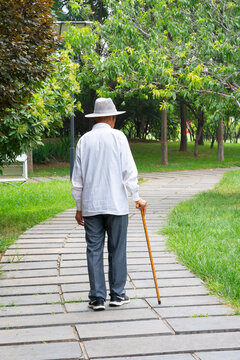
[122,329]
[29,258]
[66,271]
[50,280]
[73,263]
[149,283]
[219,355]
[42,236]
[193,311]
[158,267]
[29,265]
[158,357]
[171,259]
[49,351]
[184,301]
[171,291]
[29,335]
[150,345]
[205,324]
[37,245]
[29,299]
[30,310]
[60,250]
[40,241]
[73,318]
[171,274]
[138,247]
[27,290]
[25,274]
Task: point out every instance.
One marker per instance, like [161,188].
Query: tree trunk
[164,147]
[183,117]
[212,142]
[100,17]
[200,125]
[138,128]
[200,142]
[30,161]
[220,139]
[198,134]
[199,131]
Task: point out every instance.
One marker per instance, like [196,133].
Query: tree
[168,49]
[27,38]
[23,128]
[92,10]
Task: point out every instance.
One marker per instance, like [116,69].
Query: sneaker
[97,304]
[116,300]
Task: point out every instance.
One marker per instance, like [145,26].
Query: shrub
[53,149]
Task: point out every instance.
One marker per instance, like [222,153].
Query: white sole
[117,303]
[97,308]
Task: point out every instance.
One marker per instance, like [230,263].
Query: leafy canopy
[27,38]
[23,128]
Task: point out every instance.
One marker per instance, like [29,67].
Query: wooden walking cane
[150,255]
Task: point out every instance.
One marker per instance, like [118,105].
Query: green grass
[22,207]
[148,158]
[51,170]
[205,234]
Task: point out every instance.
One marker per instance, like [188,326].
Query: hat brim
[97,115]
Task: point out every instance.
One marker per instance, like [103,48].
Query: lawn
[148,158]
[205,234]
[22,207]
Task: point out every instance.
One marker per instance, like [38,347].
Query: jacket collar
[101,126]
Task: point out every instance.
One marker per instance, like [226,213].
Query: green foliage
[23,128]
[52,149]
[209,245]
[25,206]
[80,10]
[171,48]
[156,53]
[27,38]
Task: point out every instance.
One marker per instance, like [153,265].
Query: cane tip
[159,302]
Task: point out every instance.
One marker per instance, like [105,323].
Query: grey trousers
[116,228]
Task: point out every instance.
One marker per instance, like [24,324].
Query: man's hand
[79,218]
[142,205]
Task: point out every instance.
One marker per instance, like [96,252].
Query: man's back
[106,163]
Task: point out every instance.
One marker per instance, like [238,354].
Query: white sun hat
[104,107]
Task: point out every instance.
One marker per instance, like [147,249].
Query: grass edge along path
[22,207]
[204,232]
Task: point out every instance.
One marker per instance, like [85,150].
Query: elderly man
[104,168]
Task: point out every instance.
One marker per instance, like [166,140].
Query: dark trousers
[116,228]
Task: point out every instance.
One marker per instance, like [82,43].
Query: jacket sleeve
[77,180]
[129,169]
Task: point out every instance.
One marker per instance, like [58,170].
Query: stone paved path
[45,277]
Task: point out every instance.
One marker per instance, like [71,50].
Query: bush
[52,150]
